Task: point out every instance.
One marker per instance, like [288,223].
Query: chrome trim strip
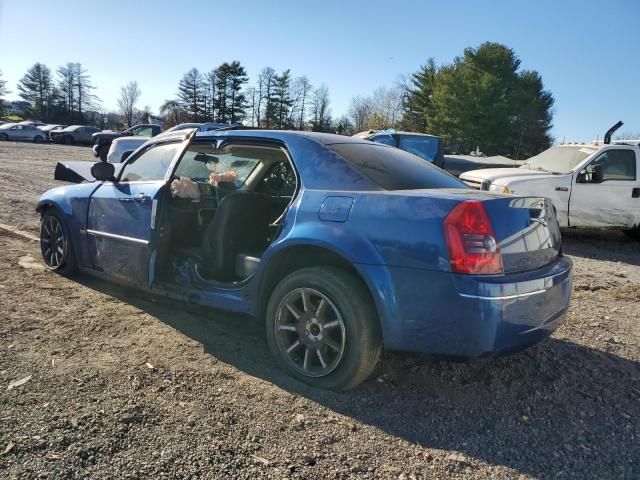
[506,297]
[117,237]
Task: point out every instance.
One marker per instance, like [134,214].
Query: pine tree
[36,87]
[483,100]
[191,94]
[281,99]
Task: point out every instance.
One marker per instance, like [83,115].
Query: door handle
[635,193]
[562,189]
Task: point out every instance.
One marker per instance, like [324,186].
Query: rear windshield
[394,169]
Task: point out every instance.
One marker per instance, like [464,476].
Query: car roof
[284,135]
[370,133]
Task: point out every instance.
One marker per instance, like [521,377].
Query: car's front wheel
[323,329]
[68,140]
[55,244]
[38,139]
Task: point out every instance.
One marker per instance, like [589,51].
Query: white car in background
[590,185]
[122,147]
[22,132]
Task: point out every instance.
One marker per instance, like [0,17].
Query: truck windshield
[558,159]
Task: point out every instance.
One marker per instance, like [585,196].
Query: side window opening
[221,228]
[613,165]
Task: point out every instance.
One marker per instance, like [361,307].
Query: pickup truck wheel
[4,137]
[323,329]
[68,140]
[633,233]
[55,244]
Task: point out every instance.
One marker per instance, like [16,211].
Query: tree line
[275,100]
[483,98]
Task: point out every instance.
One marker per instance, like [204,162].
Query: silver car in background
[22,132]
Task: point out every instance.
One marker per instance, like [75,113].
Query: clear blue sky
[588,52]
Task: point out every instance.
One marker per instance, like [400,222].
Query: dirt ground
[124,385]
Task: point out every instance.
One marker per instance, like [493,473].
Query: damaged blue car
[341,246]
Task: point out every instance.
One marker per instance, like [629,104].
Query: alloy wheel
[310,332]
[53,242]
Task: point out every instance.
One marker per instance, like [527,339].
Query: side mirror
[582,177]
[103,171]
[124,157]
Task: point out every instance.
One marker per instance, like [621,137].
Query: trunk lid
[526,230]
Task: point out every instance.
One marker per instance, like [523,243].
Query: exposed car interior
[223,227]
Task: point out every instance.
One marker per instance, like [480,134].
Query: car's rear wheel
[633,233]
[38,139]
[55,244]
[68,140]
[4,137]
[323,329]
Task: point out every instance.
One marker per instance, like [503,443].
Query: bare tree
[320,109]
[360,112]
[300,98]
[129,96]
[172,112]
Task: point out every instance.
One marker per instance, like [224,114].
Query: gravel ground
[124,385]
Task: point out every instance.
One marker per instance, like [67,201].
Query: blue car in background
[340,245]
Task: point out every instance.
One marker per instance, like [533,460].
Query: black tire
[38,139]
[349,303]
[102,153]
[4,137]
[52,228]
[633,233]
[68,140]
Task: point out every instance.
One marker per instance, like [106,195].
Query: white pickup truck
[590,185]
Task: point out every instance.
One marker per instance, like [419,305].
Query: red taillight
[471,241]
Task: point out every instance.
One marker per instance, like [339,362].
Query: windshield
[394,169]
[558,159]
[202,159]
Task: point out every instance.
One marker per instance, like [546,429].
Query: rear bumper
[474,316]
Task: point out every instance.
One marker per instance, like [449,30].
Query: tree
[74,92]
[320,110]
[237,99]
[482,99]
[36,87]
[281,100]
[129,96]
[301,87]
[230,101]
[360,111]
[265,86]
[173,113]
[191,95]
[67,93]
[3,92]
[417,97]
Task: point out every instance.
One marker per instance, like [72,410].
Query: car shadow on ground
[601,244]
[557,409]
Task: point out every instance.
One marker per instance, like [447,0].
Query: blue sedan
[341,246]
